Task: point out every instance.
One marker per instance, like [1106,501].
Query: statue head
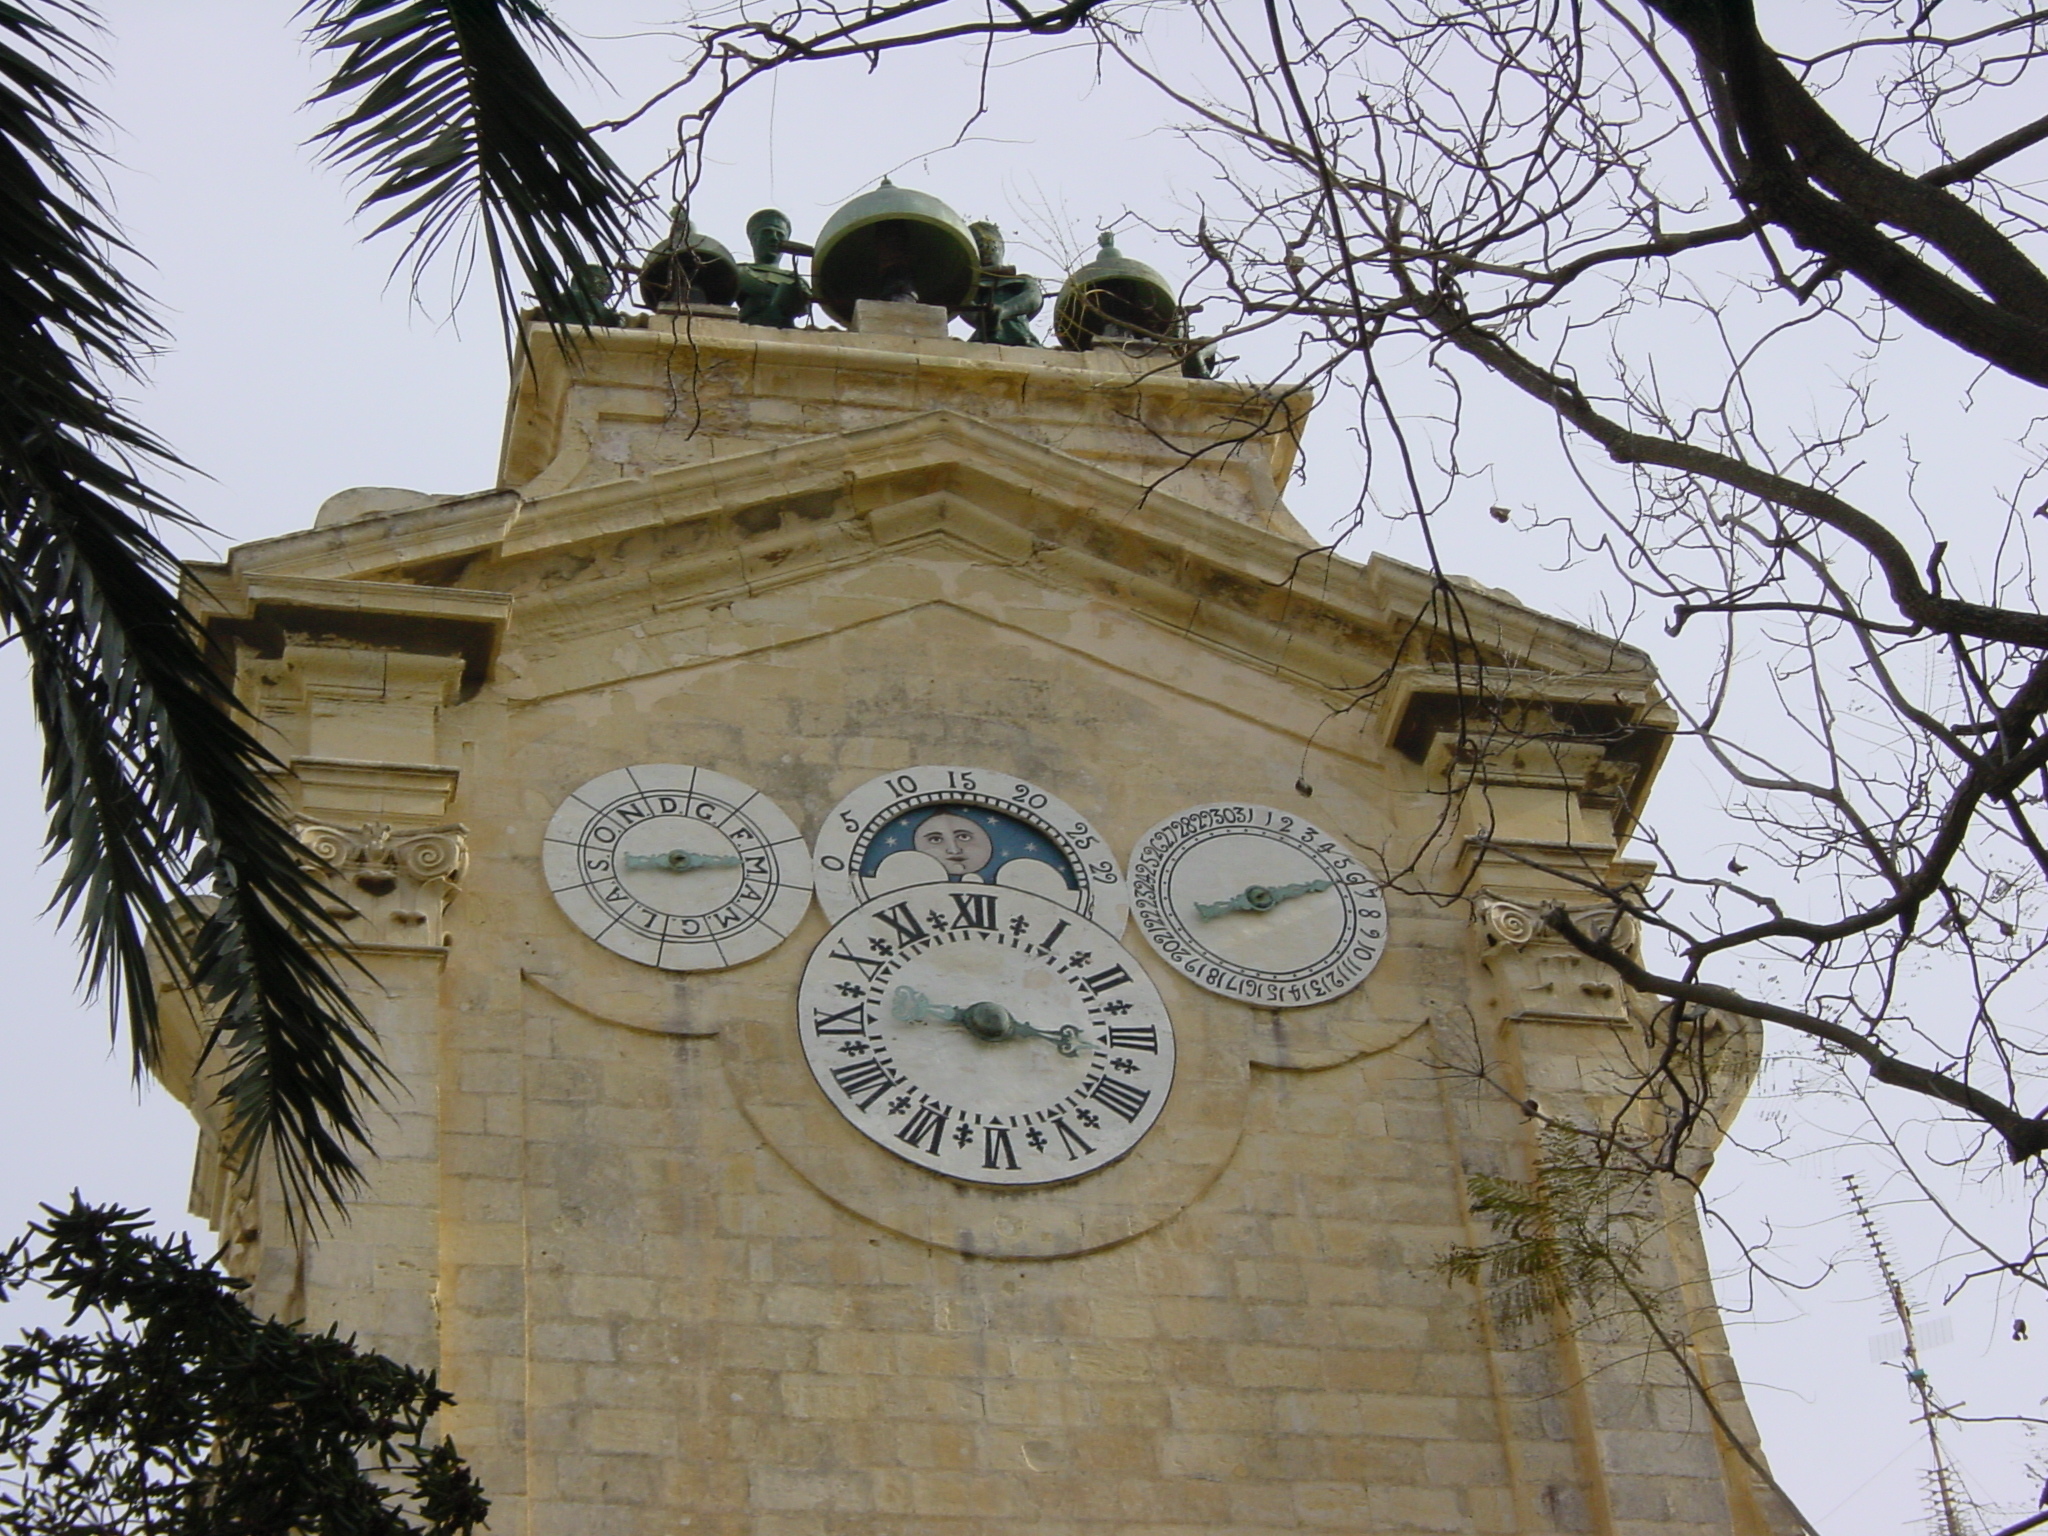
[988,240]
[768,232]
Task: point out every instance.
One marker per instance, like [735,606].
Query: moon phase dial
[994,1036]
[1257,904]
[677,867]
[969,828]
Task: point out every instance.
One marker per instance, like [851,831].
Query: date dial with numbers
[1258,904]
[992,1035]
[972,829]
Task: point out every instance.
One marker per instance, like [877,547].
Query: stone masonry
[671,1288]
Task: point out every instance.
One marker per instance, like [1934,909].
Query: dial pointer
[681,859]
[987,1022]
[1258,898]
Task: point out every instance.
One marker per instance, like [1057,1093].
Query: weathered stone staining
[674,1286]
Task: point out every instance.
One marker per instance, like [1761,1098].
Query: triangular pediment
[772,515]
[586,562]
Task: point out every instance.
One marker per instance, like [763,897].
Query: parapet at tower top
[895,245]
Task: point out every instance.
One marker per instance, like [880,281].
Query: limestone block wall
[686,389]
[674,1291]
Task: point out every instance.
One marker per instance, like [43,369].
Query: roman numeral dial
[992,1036]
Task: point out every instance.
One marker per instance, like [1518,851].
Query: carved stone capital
[1541,978]
[392,885]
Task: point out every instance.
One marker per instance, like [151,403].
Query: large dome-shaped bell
[1114,298]
[688,268]
[893,243]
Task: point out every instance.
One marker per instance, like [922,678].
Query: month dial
[677,867]
[1257,904]
[969,828]
[992,1035]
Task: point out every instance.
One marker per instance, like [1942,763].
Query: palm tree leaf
[168,835]
[457,137]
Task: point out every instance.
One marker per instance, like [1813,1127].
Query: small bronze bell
[688,268]
[1114,298]
[898,245]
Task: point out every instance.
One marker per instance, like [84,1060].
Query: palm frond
[160,812]
[455,132]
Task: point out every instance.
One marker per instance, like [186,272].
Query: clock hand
[910,1006]
[987,1022]
[1259,898]
[681,859]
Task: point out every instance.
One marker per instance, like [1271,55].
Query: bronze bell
[688,268]
[1114,298]
[894,244]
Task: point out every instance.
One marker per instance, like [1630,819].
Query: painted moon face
[677,867]
[1257,904]
[962,845]
[965,827]
[994,1036]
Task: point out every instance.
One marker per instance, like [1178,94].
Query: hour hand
[987,1022]
[1258,898]
[910,1006]
[681,859]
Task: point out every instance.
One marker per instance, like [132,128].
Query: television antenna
[1945,1491]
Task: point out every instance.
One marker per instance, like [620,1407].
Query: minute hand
[987,1022]
[1258,898]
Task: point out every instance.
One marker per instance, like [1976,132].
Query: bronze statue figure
[1005,300]
[770,293]
[587,300]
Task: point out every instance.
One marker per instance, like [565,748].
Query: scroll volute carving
[392,885]
[1541,977]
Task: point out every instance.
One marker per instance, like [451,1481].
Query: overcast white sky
[298,368]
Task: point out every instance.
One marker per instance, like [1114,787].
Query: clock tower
[943,967]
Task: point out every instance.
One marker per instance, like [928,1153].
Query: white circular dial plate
[1257,904]
[971,828]
[995,1036]
[677,867]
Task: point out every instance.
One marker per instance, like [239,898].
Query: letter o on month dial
[1257,904]
[677,867]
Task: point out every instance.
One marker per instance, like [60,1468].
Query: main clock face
[677,867]
[992,1035]
[1257,904]
[969,828]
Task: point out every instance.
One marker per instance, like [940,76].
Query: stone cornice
[767,518]
[265,608]
[706,375]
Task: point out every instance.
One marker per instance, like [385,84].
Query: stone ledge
[267,611]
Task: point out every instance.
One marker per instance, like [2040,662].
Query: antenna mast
[1945,1484]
